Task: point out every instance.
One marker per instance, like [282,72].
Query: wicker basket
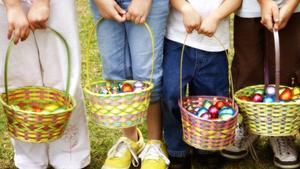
[207,134]
[270,119]
[32,126]
[120,110]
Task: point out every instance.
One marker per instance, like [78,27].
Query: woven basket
[207,134]
[201,133]
[270,119]
[32,126]
[120,110]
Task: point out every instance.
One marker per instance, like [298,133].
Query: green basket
[269,119]
[120,110]
[32,126]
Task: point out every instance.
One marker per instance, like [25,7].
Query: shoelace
[153,152]
[119,149]
[284,144]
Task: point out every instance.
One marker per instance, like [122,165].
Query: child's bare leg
[154,122]
[131,133]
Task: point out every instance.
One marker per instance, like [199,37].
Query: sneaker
[154,155]
[285,152]
[123,153]
[243,143]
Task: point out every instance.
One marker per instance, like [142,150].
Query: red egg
[245,98]
[220,104]
[257,98]
[286,95]
[213,111]
[126,87]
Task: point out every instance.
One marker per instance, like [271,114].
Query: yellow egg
[296,90]
[51,107]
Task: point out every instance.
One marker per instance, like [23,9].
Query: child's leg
[141,52]
[177,148]
[24,70]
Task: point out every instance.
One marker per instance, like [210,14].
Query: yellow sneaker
[123,153]
[154,155]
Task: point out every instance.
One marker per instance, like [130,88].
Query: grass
[102,139]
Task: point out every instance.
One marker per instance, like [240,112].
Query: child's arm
[138,11]
[109,9]
[17,21]
[285,13]
[210,24]
[191,18]
[38,14]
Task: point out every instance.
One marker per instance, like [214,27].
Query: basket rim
[207,120]
[261,103]
[73,101]
[118,94]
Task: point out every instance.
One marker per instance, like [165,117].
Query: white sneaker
[285,152]
[242,144]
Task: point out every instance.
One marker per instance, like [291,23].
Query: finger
[119,9]
[27,33]
[118,17]
[23,34]
[10,31]
[275,13]
[17,36]
[128,16]
[143,20]
[137,20]
[189,30]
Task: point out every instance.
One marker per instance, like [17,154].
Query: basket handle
[8,53]
[231,89]
[277,65]
[150,32]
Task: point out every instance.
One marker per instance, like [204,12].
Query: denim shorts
[126,49]
[205,72]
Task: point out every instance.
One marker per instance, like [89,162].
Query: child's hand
[269,13]
[285,13]
[138,11]
[191,18]
[38,14]
[17,23]
[209,25]
[109,9]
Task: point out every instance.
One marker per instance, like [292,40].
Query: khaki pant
[252,42]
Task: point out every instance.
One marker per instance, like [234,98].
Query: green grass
[102,139]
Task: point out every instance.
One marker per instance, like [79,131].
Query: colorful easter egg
[269,99]
[206,104]
[50,107]
[270,90]
[126,87]
[286,95]
[213,111]
[245,98]
[219,104]
[257,97]
[206,116]
[201,111]
[259,91]
[296,91]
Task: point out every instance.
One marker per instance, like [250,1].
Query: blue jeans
[126,49]
[205,72]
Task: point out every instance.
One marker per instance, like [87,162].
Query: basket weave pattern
[36,127]
[269,119]
[118,110]
[206,134]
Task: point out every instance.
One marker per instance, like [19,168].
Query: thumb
[119,17]
[275,13]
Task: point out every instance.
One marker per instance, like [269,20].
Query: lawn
[102,139]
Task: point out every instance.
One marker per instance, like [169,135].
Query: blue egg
[269,99]
[226,111]
[270,90]
[201,111]
[206,104]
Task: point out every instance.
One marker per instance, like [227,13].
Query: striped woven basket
[201,133]
[206,134]
[270,119]
[120,110]
[33,125]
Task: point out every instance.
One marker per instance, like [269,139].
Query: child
[205,66]
[122,37]
[41,60]
[253,40]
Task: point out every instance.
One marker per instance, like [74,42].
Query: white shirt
[251,8]
[176,30]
